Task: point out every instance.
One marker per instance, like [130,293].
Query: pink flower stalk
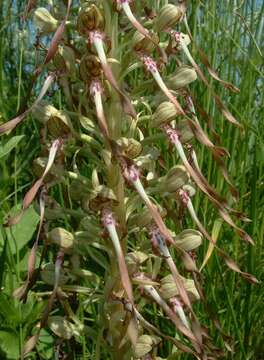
[151,66]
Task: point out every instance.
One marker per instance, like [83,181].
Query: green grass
[231,34]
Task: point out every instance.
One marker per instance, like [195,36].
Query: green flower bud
[145,344]
[59,124]
[61,327]
[90,67]
[182,77]
[90,18]
[144,218]
[39,165]
[64,60]
[142,43]
[184,130]
[43,111]
[131,147]
[62,238]
[165,112]
[176,177]
[53,210]
[189,239]
[168,16]
[169,289]
[98,198]
[134,260]
[47,275]
[44,21]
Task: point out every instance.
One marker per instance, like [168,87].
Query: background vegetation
[231,34]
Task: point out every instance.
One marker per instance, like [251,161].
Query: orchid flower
[132,174]
[131,17]
[151,66]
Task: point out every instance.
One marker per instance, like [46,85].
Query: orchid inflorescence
[115,189]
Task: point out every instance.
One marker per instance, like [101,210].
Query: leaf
[9,343]
[61,327]
[20,234]
[3,256]
[215,233]
[11,124]
[10,145]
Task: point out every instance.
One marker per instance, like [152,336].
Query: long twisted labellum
[151,291]
[197,176]
[176,276]
[206,117]
[109,224]
[207,64]
[153,329]
[96,38]
[22,291]
[217,152]
[57,36]
[31,194]
[133,20]
[178,281]
[179,310]
[204,186]
[10,125]
[218,101]
[229,262]
[131,17]
[132,174]
[32,342]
